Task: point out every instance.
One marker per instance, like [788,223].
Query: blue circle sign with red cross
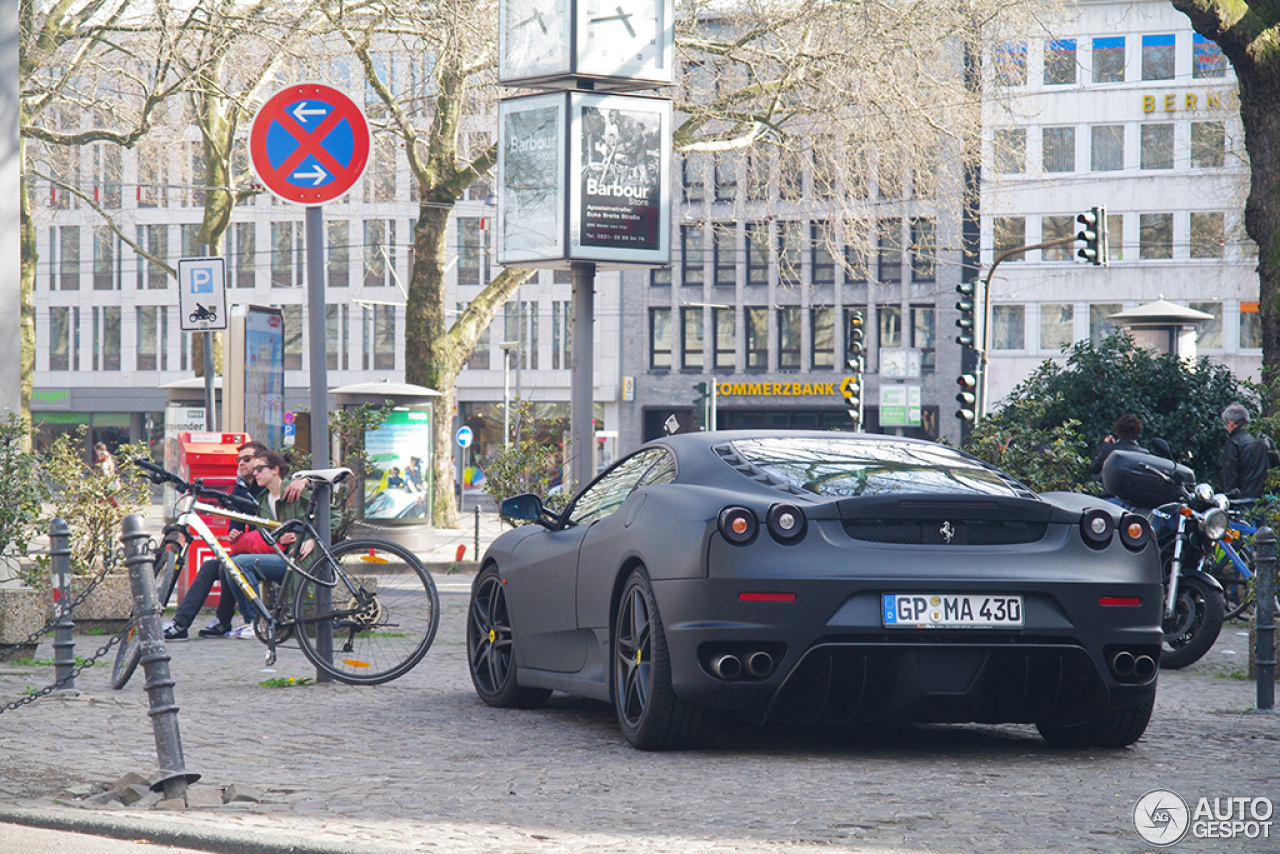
[309,143]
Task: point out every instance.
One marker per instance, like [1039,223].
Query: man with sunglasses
[245,492]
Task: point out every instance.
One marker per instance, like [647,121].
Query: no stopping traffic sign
[309,143]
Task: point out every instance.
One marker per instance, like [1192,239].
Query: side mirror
[1161,447]
[525,508]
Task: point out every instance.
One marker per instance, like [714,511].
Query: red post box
[211,458]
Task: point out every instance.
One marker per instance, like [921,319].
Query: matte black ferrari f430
[822,577]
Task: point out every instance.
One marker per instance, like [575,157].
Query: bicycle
[1232,565]
[376,597]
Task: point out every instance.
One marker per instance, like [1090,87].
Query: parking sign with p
[202,297]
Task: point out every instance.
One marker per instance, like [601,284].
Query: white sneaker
[245,631]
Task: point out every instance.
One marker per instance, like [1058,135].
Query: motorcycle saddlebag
[1128,476]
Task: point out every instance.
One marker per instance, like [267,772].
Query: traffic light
[967,398]
[851,388]
[700,405]
[1093,232]
[855,347]
[972,315]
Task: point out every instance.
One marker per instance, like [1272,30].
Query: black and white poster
[621,177]
[531,179]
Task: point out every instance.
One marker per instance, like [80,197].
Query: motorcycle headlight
[1215,523]
[1221,501]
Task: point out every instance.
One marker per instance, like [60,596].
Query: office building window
[789,251]
[660,277]
[726,337]
[62,336]
[1208,234]
[856,262]
[1057,325]
[561,334]
[1008,327]
[293,322]
[789,320]
[1115,236]
[1059,62]
[691,272]
[338,266]
[825,168]
[1250,326]
[520,323]
[471,252]
[1057,228]
[1101,326]
[726,177]
[1157,146]
[691,338]
[1008,232]
[1009,151]
[380,173]
[336,318]
[106,338]
[1011,63]
[660,338]
[691,178]
[1059,149]
[380,338]
[757,338]
[822,349]
[148,346]
[69,257]
[791,165]
[725,236]
[1206,58]
[924,249]
[822,264]
[191,245]
[282,249]
[1108,59]
[757,239]
[1157,57]
[1155,236]
[1209,333]
[890,325]
[1106,148]
[375,253]
[244,263]
[889,250]
[757,175]
[157,243]
[1208,145]
[924,331]
[108,169]
[153,174]
[105,242]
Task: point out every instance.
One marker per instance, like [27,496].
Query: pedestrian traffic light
[967,398]
[851,388]
[972,314]
[700,405]
[1093,232]
[855,347]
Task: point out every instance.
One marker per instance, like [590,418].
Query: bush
[20,490]
[1044,458]
[530,464]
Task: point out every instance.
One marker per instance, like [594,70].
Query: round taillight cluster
[738,525]
[1097,527]
[786,523]
[1135,531]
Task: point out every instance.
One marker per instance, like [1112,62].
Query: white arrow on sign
[301,112]
[318,174]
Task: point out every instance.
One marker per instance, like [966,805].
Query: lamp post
[507,347]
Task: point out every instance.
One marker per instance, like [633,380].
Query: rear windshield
[844,467]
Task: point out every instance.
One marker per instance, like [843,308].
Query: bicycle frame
[192,522]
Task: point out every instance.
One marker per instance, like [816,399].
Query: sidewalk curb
[174,833]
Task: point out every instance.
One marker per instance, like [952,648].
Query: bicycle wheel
[382,624]
[1237,592]
[165,568]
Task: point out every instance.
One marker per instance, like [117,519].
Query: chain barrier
[117,556]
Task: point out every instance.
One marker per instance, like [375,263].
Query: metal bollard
[64,644]
[174,778]
[1264,603]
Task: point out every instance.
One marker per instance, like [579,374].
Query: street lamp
[507,347]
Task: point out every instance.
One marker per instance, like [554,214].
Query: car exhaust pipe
[726,667]
[760,664]
[1122,664]
[1144,667]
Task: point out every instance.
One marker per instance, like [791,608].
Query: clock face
[624,38]
[535,38]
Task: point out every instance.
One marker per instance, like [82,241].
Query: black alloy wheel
[491,647]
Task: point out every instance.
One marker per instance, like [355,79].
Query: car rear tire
[1113,728]
[652,717]
[491,647]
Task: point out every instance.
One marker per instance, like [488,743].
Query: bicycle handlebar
[159,475]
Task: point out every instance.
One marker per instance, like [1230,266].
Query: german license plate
[945,611]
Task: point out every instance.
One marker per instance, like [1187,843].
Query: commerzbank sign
[791,389]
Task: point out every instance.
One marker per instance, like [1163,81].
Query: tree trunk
[27,286]
[1260,111]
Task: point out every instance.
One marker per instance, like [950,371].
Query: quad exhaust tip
[760,664]
[726,667]
[755,665]
[1128,667]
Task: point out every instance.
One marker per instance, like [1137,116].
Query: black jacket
[1095,467]
[1244,464]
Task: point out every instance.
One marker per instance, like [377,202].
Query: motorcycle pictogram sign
[309,143]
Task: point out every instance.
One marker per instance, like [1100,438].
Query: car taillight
[786,523]
[1135,532]
[1120,601]
[1097,526]
[738,525]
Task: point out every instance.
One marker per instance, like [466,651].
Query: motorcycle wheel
[1194,626]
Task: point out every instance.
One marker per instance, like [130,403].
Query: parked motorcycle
[1188,521]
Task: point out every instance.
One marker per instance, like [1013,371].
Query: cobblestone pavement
[421,765]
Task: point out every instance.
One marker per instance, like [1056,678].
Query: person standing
[1244,458]
[1124,437]
[103,460]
